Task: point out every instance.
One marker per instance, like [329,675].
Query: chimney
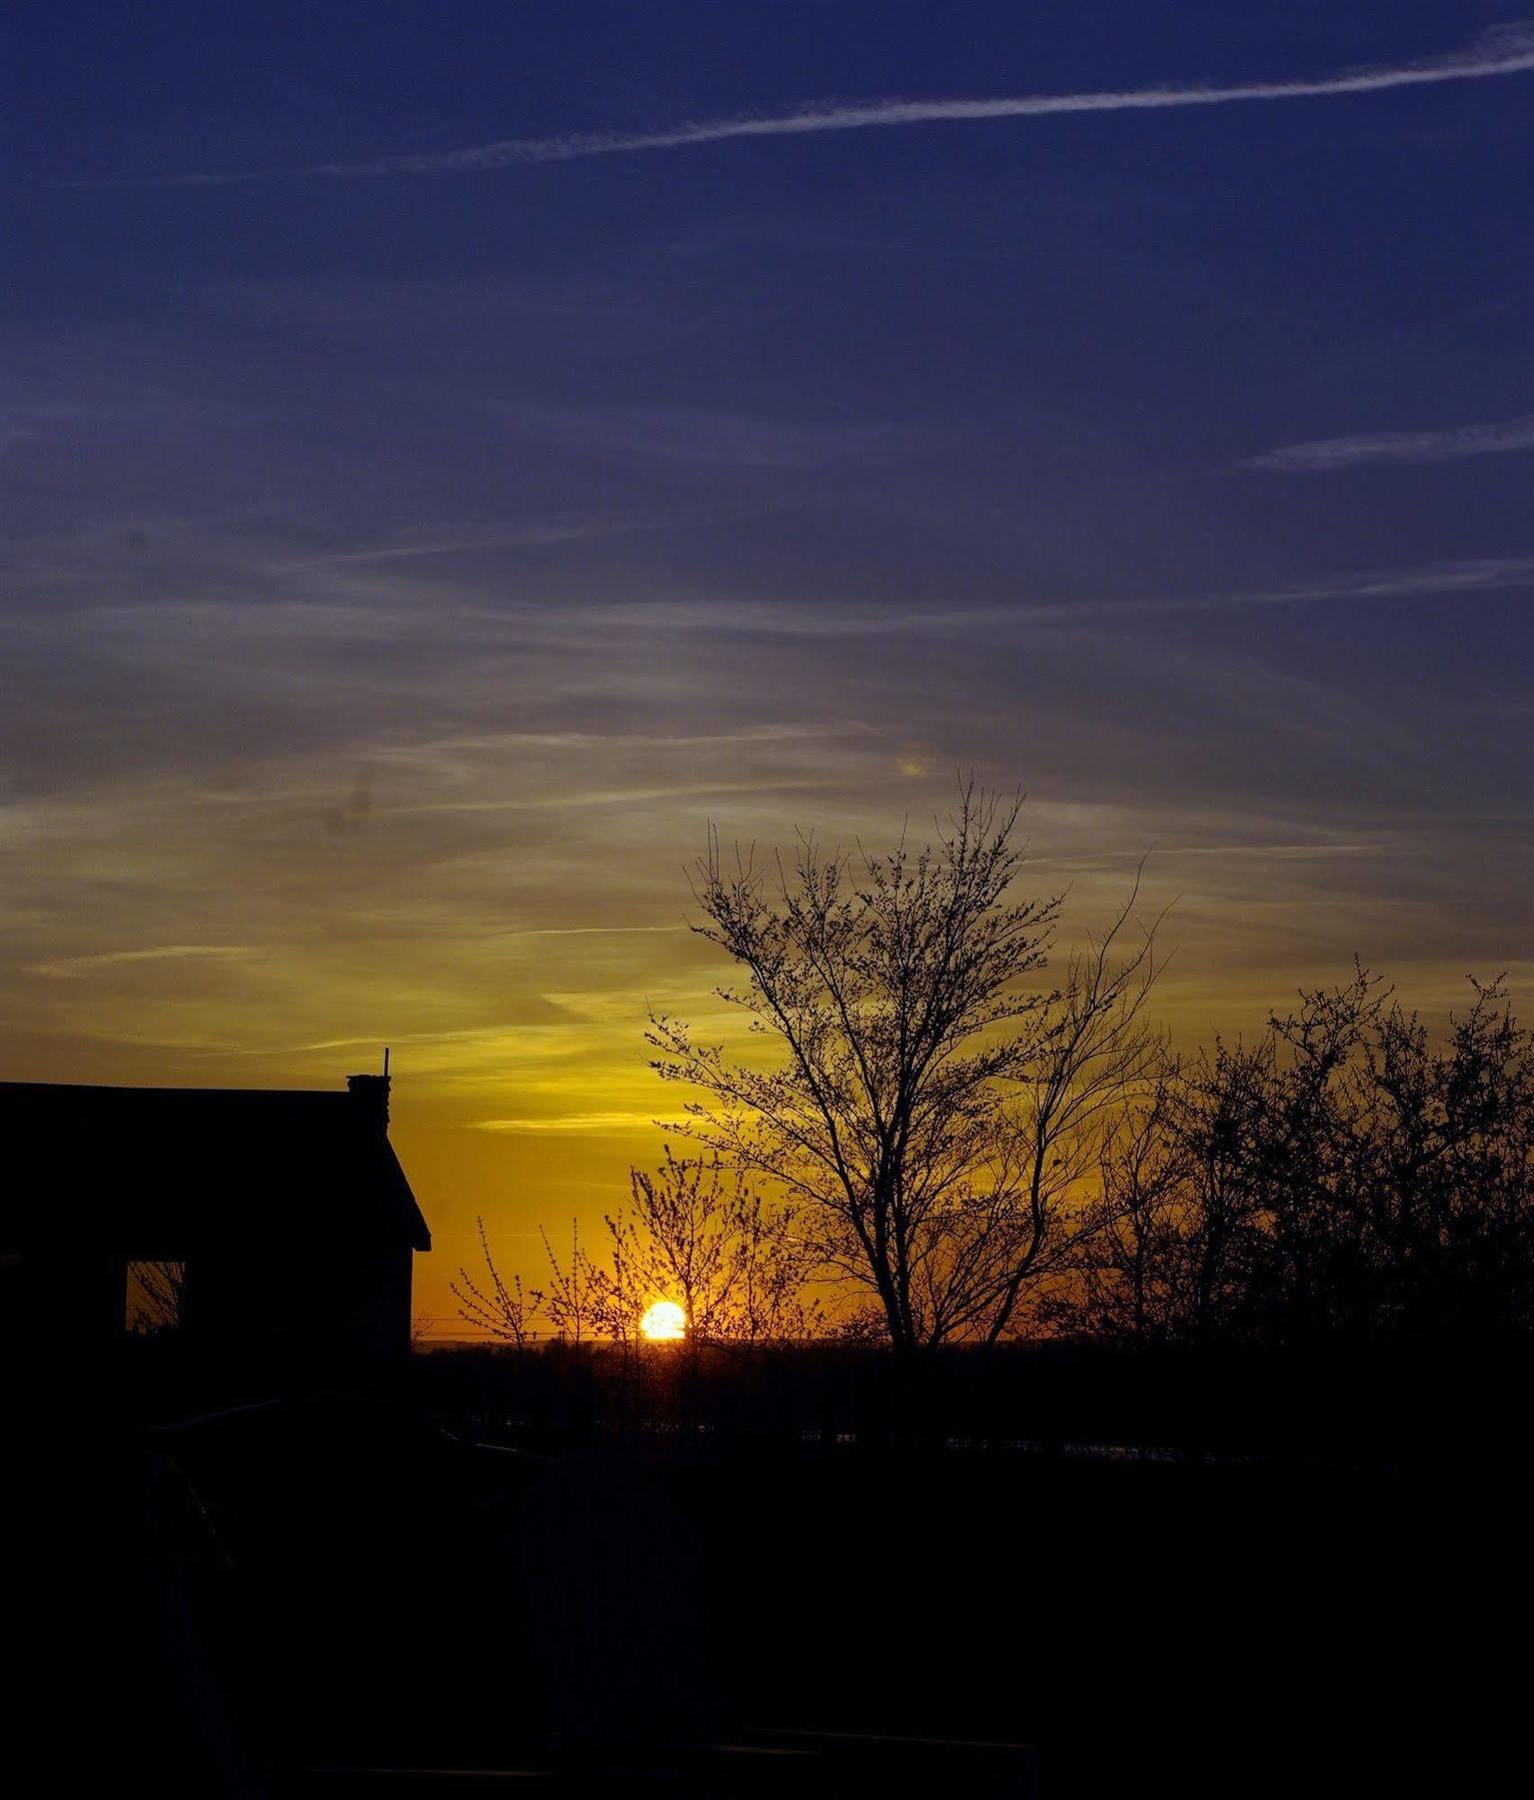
[372,1092]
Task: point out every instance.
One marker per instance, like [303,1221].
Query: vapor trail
[1505,50]
[1399,446]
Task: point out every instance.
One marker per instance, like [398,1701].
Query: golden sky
[500,907]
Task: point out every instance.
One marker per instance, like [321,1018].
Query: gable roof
[152,1172]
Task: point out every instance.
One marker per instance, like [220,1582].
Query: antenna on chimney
[386,1061]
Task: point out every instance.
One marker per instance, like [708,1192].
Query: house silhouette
[289,1212]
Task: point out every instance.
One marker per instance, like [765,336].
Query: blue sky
[404,566]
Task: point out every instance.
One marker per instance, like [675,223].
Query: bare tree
[898,987]
[156,1293]
[1445,1216]
[1342,1178]
[1167,1253]
[680,1238]
[1090,1063]
[774,1264]
[577,1300]
[697,1234]
[623,1292]
[701,1234]
[1121,1285]
[499,1307]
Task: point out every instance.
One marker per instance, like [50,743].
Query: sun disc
[664,1322]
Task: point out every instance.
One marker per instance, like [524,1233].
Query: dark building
[288,1213]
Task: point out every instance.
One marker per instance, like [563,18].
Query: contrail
[1505,50]
[1399,446]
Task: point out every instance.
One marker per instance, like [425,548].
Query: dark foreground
[336,1596]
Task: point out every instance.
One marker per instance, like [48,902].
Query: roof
[152,1172]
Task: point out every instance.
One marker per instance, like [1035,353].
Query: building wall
[79,1295]
[312,1310]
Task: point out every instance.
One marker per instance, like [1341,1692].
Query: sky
[454,453]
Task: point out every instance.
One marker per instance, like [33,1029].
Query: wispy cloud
[543,931]
[1505,50]
[789,620]
[1489,574]
[553,532]
[621,796]
[72,968]
[1399,446]
[446,750]
[586,1124]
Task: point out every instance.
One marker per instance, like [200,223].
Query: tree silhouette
[156,1296]
[1341,1180]
[898,987]
[700,1234]
[576,1301]
[501,1308]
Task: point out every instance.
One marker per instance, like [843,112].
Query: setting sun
[663,1323]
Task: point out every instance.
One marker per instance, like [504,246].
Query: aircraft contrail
[1505,50]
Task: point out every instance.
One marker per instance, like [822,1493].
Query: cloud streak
[70,968]
[1486,575]
[1505,50]
[585,1124]
[1399,446]
[529,536]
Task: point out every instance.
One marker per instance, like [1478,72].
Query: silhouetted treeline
[1319,1242]
[1344,1180]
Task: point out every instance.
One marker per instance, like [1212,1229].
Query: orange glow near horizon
[510,966]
